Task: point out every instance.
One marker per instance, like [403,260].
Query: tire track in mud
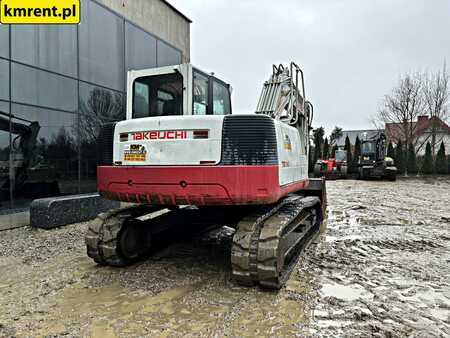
[383,265]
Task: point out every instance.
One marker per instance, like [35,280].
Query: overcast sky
[352,51]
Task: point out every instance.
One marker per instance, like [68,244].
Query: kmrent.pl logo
[39,11]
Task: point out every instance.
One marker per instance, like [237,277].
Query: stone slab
[48,213]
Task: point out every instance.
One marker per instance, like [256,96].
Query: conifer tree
[400,158]
[427,165]
[318,143]
[448,164]
[333,151]
[441,161]
[348,148]
[412,160]
[326,149]
[356,154]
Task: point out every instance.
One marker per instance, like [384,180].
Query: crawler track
[121,237]
[266,245]
[268,242]
[102,239]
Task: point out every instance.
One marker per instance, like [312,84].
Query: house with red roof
[422,131]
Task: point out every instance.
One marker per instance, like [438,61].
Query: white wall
[443,136]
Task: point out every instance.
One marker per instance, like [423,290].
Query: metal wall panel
[167,55]
[101,52]
[53,168]
[4,79]
[140,51]
[52,47]
[97,106]
[37,87]
[4,41]
[4,158]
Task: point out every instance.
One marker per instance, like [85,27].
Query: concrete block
[48,213]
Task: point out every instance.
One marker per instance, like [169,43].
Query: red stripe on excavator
[205,185]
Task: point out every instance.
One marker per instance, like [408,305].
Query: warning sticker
[135,152]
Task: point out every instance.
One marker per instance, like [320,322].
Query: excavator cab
[368,151]
[176,90]
[373,150]
[340,155]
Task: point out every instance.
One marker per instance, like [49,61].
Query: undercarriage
[267,242]
[377,172]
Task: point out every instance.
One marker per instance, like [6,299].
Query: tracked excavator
[182,146]
[373,162]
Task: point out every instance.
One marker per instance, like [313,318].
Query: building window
[167,55]
[4,79]
[4,155]
[221,99]
[40,88]
[4,41]
[101,46]
[140,48]
[97,106]
[52,47]
[62,83]
[45,148]
[200,94]
[107,105]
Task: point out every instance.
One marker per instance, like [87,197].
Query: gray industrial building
[59,83]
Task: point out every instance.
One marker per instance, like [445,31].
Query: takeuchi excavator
[182,146]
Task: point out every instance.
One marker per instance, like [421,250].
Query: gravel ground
[381,268]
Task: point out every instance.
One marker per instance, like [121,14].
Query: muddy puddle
[381,268]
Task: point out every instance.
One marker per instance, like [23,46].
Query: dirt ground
[381,268]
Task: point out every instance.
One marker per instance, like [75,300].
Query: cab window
[158,95]
[221,99]
[200,94]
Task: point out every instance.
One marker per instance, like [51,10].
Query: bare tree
[403,106]
[436,92]
[376,122]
